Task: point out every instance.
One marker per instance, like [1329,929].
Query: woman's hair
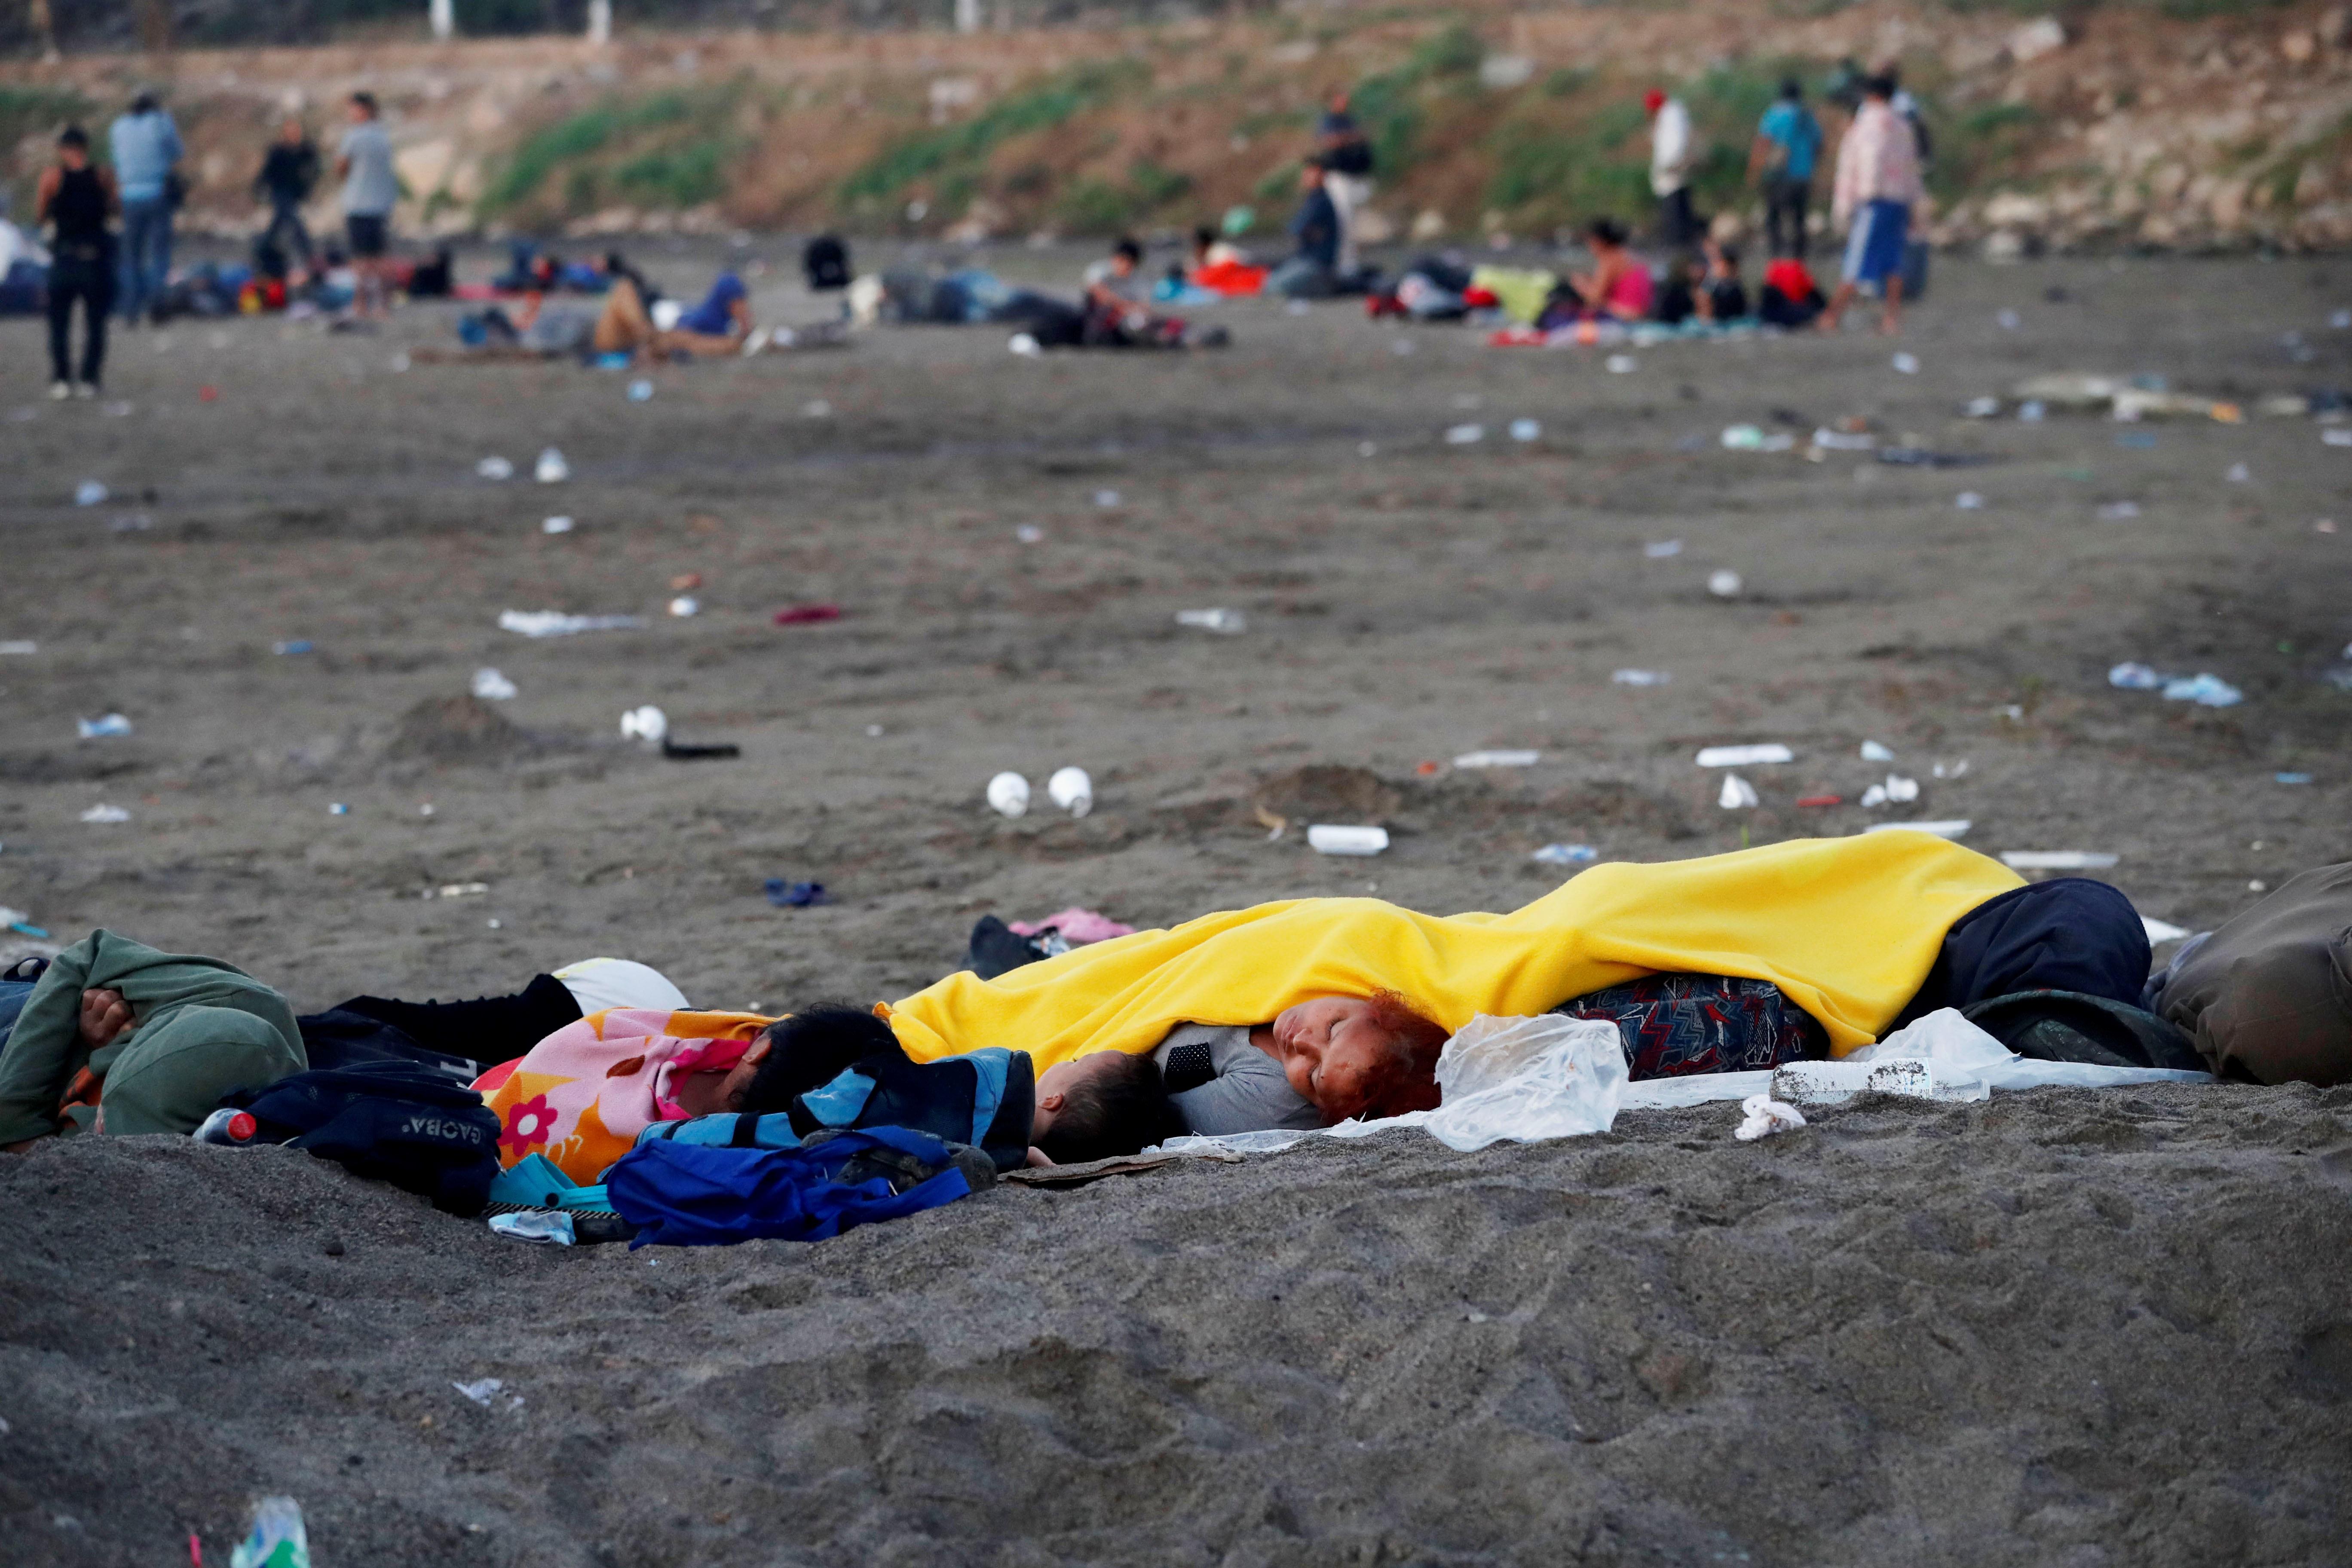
[1408,1079]
[1607,231]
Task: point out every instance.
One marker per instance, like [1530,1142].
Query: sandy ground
[2055,1329]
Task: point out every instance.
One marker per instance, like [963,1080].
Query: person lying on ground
[1312,272]
[1311,970]
[718,326]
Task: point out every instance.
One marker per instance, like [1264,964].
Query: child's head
[803,1052]
[1100,1106]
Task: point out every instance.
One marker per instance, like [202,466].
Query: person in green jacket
[117,1037]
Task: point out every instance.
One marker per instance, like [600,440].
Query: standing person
[78,198]
[1670,158]
[147,151]
[1788,145]
[289,174]
[370,189]
[1877,186]
[1346,155]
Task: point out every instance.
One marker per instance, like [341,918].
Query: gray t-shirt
[371,188]
[1248,1093]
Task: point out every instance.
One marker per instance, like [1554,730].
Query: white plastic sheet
[1970,1064]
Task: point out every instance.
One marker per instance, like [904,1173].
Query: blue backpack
[686,1194]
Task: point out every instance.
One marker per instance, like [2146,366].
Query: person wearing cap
[1670,159]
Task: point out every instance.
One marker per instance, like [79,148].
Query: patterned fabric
[1678,1024]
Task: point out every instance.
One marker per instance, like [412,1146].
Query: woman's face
[1335,1053]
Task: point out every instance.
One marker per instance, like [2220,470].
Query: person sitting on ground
[1117,315]
[1312,272]
[1618,285]
[1789,297]
[1705,286]
[1221,266]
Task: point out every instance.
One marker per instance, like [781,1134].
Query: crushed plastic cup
[1723,584]
[1662,549]
[816,408]
[481,1391]
[1745,756]
[1008,794]
[494,469]
[492,686]
[1640,676]
[106,814]
[684,604]
[2239,474]
[1982,408]
[1737,794]
[1228,622]
[2057,859]
[1942,827]
[339,809]
[112,724]
[2118,511]
[1875,751]
[551,469]
[648,723]
[1621,365]
[90,492]
[556,525]
[2205,690]
[1763,1116]
[2131,676]
[1908,364]
[1873,797]
[2032,411]
[1498,759]
[1899,788]
[1072,790]
[641,391]
[1030,533]
[1969,501]
[19,645]
[1464,435]
[1525,430]
[2010,321]
[1107,500]
[1566,855]
[1333,838]
[1025,346]
[1742,438]
[277,1539]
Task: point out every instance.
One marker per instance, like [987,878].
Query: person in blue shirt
[1313,272]
[147,151]
[1787,147]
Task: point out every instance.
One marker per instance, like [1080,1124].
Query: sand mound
[2057,1328]
[457,729]
[1326,791]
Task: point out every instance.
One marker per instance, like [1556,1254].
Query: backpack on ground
[388,1121]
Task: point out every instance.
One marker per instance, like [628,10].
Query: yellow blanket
[1846,926]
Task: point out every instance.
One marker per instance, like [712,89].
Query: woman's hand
[105,1016]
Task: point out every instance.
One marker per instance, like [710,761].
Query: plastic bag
[1970,1064]
[277,1540]
[1528,1079]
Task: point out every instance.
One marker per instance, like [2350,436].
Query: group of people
[1296,1015]
[112,223]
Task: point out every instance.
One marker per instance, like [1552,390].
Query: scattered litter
[1738,794]
[398,364]
[1219,620]
[339,809]
[1765,1116]
[1072,790]
[1969,501]
[1745,756]
[90,492]
[1724,585]
[2258,886]
[1829,1083]
[2290,778]
[2010,321]
[1030,533]
[677,753]
[99,729]
[1952,771]
[1464,435]
[807,614]
[2131,676]
[1820,800]
[1325,838]
[277,1539]
[1640,677]
[1403,347]
[551,469]
[495,469]
[556,525]
[299,645]
[641,391]
[2057,859]
[120,410]
[137,522]
[536,1225]
[648,723]
[556,624]
[1662,549]
[2205,690]
[106,814]
[816,408]
[2032,411]
[482,1391]
[2324,525]
[2239,474]
[2162,932]
[19,645]
[684,604]
[787,895]
[1621,365]
[21,923]
[1831,440]
[492,686]
[1909,363]
[1498,759]
[1025,346]
[1078,927]
[1368,450]
[1008,792]
[2118,511]
[1982,408]
[1749,438]
[457,890]
[2335,436]
[1566,855]
[1900,788]
[1873,797]
[2136,440]
[1942,827]
[1107,500]
[1525,431]
[1873,752]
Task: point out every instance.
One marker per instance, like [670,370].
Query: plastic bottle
[233,1128]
